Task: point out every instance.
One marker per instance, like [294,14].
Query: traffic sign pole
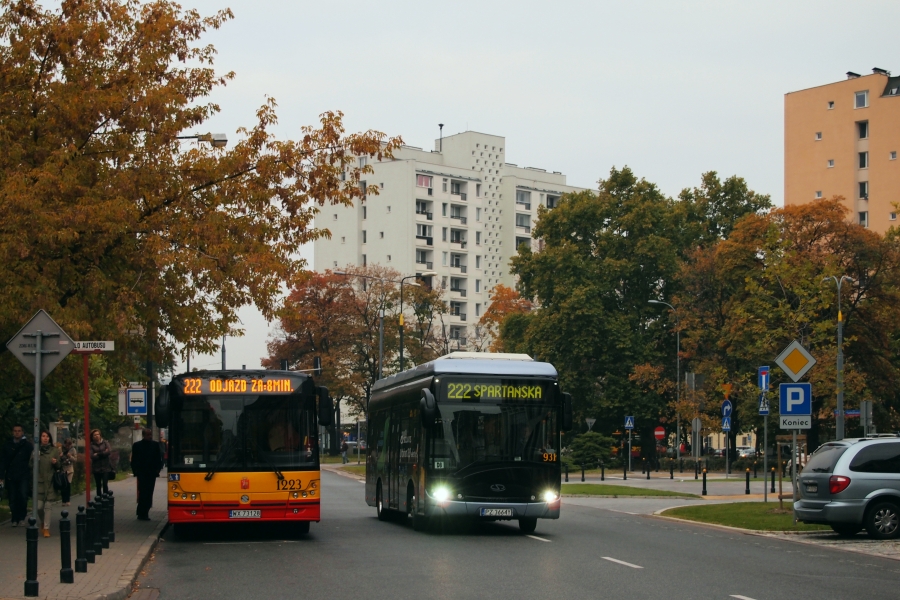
[765,456]
[85,349]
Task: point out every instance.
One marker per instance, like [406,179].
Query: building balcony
[526,228]
[459,291]
[462,243]
[459,218]
[462,195]
[429,216]
[462,268]
[462,316]
[524,205]
[461,341]
[429,241]
[428,264]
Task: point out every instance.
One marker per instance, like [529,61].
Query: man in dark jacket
[15,473]
[145,464]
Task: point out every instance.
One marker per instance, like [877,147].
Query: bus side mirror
[427,408]
[161,407]
[566,424]
[326,407]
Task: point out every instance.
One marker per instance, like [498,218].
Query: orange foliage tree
[505,301]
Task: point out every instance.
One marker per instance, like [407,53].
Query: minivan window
[824,459]
[877,458]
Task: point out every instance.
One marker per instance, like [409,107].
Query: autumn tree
[504,301]
[114,225]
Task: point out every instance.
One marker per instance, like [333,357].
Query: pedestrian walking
[48,466]
[67,457]
[344,448]
[146,465]
[15,475]
[100,463]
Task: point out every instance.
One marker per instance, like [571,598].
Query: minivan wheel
[845,529]
[883,521]
[379,504]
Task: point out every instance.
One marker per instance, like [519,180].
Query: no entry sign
[659,433]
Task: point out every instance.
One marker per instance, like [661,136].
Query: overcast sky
[671,89]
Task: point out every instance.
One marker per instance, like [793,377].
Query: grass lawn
[356,469]
[759,516]
[601,489]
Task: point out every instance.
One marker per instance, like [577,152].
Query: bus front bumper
[487,510]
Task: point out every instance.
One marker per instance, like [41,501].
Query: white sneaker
[15,523]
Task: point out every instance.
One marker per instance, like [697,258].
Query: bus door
[393,474]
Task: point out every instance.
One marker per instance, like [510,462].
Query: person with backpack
[15,473]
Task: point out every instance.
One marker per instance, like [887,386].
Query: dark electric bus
[472,435]
[243,446]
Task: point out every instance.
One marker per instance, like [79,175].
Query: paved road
[589,552]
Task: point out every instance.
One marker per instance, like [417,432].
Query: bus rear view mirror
[427,408]
[326,407]
[161,407]
[566,424]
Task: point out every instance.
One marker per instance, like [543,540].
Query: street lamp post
[677,376]
[839,419]
[402,279]
[216,140]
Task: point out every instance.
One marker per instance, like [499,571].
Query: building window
[444,234]
[478,190]
[478,262]
[864,218]
[862,99]
[335,216]
[477,285]
[343,240]
[363,161]
[477,214]
[830,104]
[364,212]
[423,230]
[444,209]
[389,209]
[818,194]
[818,135]
[423,181]
[862,128]
[831,163]
[444,259]
[364,236]
[893,155]
[335,264]
[389,258]
[444,185]
[477,309]
[421,257]
[863,189]
[863,160]
[381,234]
[893,216]
[477,238]
[363,260]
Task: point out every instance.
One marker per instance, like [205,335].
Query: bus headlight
[550,496]
[441,494]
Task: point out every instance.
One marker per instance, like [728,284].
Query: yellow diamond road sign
[795,360]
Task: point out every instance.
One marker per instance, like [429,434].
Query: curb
[130,574]
[344,473]
[625,497]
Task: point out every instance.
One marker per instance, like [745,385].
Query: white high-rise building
[460,210]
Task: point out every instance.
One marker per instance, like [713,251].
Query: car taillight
[837,484]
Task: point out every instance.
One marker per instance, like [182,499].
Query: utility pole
[839,419]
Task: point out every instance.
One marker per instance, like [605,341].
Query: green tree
[588,449]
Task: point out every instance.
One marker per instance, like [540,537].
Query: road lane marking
[621,562]
[244,543]
[740,597]
[534,537]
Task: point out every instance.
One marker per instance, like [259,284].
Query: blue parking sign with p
[795,398]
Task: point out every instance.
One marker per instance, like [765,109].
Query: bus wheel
[301,527]
[419,522]
[182,531]
[527,525]
[379,504]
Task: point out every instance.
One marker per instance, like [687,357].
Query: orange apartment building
[842,139]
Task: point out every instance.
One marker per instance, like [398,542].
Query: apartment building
[460,210]
[842,139]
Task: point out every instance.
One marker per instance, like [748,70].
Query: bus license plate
[245,514]
[496,512]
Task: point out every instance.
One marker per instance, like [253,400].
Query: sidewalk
[113,573]
[717,485]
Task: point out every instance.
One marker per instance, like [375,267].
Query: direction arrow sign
[763,404]
[727,408]
[53,349]
[795,360]
[629,422]
[726,423]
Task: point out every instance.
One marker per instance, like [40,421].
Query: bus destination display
[237,385]
[477,390]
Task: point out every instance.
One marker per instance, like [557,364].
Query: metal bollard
[582,473]
[103,521]
[754,470]
[671,469]
[773,481]
[648,469]
[696,469]
[90,526]
[31,558]
[95,529]
[624,471]
[602,472]
[567,472]
[80,556]
[704,482]
[747,488]
[112,517]
[66,574]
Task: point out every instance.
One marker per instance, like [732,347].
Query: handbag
[60,481]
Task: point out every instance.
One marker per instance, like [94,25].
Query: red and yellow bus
[243,446]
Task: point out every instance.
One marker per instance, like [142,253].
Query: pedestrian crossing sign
[726,423]
[629,422]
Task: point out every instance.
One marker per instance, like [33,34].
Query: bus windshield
[240,433]
[470,433]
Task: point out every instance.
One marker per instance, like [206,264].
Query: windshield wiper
[220,460]
[274,468]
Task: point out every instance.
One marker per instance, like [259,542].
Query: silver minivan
[853,486]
